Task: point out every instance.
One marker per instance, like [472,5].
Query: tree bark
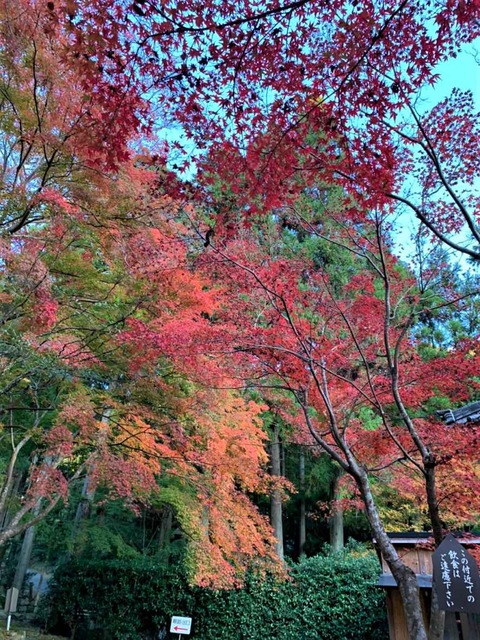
[437,616]
[5,515]
[276,500]
[9,479]
[336,519]
[24,558]
[14,527]
[303,521]
[165,530]
[84,508]
[25,552]
[404,576]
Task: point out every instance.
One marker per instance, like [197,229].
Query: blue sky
[462,72]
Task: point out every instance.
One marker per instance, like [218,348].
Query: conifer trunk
[25,552]
[303,523]
[84,508]
[24,558]
[276,499]
[165,532]
[336,520]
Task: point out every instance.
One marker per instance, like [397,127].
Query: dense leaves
[331,596]
[107,375]
[139,311]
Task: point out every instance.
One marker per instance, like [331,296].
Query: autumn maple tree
[273,100]
[93,265]
[358,386]
[244,68]
[107,376]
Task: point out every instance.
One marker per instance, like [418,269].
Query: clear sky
[462,72]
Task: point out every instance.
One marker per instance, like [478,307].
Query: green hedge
[329,597]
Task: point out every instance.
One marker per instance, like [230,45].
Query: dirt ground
[23,632]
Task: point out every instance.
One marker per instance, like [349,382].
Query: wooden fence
[412,549]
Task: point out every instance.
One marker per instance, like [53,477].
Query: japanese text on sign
[180,625]
[456,577]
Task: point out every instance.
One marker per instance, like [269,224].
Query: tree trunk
[303,521]
[15,527]
[9,477]
[24,558]
[404,576]
[437,617]
[336,519]
[276,500]
[14,490]
[165,528]
[25,552]
[84,508]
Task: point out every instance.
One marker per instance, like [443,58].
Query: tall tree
[239,69]
[276,511]
[108,320]
[241,79]
[344,353]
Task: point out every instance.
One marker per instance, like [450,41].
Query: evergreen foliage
[330,596]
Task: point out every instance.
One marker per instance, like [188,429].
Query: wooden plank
[409,556]
[412,560]
[397,624]
[401,631]
[465,626]
[451,628]
[470,626]
[425,561]
[390,615]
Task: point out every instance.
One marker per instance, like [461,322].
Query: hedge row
[330,597]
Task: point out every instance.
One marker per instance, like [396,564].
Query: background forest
[238,286]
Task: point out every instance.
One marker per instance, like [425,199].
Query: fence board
[451,628]
[470,626]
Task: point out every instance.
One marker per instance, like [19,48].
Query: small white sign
[180,625]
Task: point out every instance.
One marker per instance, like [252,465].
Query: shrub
[329,596]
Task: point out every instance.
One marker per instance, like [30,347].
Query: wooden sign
[456,577]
